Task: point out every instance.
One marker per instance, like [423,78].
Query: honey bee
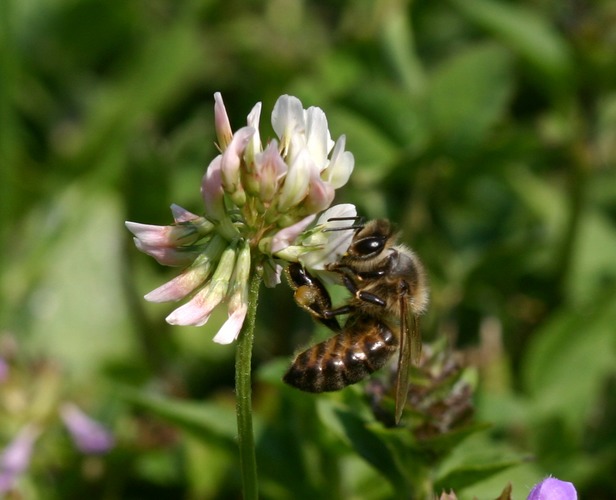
[389,292]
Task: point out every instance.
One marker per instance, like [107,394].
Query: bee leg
[370,275]
[361,294]
[311,295]
[332,313]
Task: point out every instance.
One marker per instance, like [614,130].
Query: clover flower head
[260,202]
[553,489]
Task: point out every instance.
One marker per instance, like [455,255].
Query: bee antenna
[358,223]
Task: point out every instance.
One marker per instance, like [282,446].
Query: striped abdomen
[361,348]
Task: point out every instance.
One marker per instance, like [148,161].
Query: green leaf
[208,422]
[525,32]
[476,460]
[443,444]
[468,94]
[368,444]
[65,282]
[569,358]
[467,475]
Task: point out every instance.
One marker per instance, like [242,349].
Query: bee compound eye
[369,246]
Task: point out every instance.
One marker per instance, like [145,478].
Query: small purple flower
[553,489]
[4,370]
[16,457]
[89,436]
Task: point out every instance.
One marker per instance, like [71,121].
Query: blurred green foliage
[486,129]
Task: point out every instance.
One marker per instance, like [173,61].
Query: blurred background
[485,129]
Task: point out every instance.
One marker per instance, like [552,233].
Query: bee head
[371,239]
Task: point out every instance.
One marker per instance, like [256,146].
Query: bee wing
[410,343]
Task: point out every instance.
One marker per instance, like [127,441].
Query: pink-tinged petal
[212,190]
[168,256]
[287,119]
[16,457]
[232,160]
[553,489]
[320,196]
[164,236]
[89,436]
[182,215]
[288,235]
[340,166]
[231,328]
[197,311]
[180,286]
[269,170]
[191,278]
[221,122]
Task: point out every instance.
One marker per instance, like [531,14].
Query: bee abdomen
[343,359]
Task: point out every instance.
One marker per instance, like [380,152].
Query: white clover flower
[259,203]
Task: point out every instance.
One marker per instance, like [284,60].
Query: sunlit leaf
[569,358]
[468,94]
[526,32]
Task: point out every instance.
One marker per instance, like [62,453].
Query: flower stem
[243,357]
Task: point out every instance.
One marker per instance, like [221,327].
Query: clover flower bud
[221,123]
[230,165]
[238,298]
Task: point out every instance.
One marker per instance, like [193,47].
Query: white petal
[271,273]
[254,146]
[231,328]
[287,119]
[333,243]
[295,187]
[196,312]
[340,166]
[318,139]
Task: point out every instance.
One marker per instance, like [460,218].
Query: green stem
[246,442]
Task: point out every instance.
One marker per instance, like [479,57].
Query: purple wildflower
[16,457]
[553,489]
[89,436]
